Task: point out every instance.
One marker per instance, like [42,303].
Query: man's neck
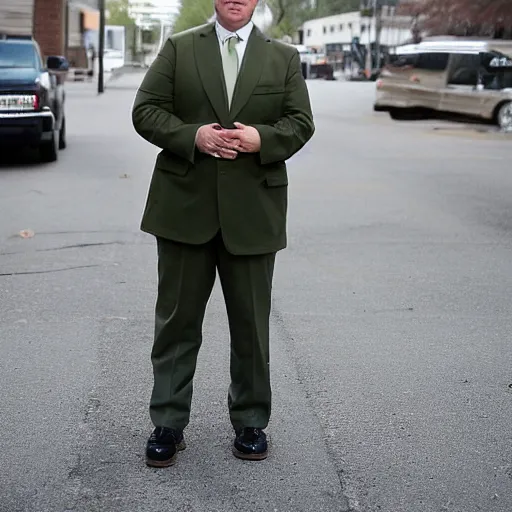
[232,28]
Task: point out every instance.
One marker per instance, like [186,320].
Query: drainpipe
[66,28]
[101,50]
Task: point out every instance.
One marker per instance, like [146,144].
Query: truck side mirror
[56,63]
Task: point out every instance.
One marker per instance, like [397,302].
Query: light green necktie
[230,65]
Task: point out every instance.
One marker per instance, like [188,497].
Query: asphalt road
[391,325]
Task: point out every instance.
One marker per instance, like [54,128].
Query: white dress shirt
[243,36]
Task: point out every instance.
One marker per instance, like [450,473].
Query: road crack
[81,246]
[346,503]
[34,272]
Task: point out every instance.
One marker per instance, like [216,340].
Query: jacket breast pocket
[172,164]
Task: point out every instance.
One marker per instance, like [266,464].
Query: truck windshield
[17,55]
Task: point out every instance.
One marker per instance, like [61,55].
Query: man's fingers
[228,153]
[231,155]
[222,143]
[229,135]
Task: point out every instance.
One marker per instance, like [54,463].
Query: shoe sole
[249,456]
[169,462]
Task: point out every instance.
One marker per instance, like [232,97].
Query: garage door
[16,16]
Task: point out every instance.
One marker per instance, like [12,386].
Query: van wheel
[401,114]
[49,151]
[505,117]
[408,114]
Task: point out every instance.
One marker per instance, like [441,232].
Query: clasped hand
[216,141]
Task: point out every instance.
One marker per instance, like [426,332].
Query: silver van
[462,76]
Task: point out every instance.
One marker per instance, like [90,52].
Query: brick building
[57,25]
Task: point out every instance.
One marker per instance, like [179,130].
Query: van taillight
[37,102]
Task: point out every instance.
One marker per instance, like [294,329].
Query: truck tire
[49,151]
[62,134]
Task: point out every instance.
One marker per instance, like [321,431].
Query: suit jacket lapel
[209,66]
[250,71]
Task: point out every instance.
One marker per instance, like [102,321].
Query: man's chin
[235,17]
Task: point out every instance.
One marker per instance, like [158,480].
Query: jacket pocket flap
[276,180]
[268,89]
[172,164]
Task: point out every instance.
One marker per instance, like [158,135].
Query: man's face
[234,14]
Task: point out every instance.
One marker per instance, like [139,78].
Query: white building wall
[341,28]
[16,17]
[74,34]
[75,8]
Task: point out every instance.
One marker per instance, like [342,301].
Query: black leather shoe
[250,444]
[163,445]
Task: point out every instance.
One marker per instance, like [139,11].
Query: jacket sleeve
[291,132]
[153,110]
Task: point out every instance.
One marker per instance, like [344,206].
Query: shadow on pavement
[24,158]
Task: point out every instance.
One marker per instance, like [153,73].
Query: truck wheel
[49,151]
[505,117]
[62,134]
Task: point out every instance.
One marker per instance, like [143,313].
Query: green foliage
[331,7]
[193,13]
[290,14]
[118,14]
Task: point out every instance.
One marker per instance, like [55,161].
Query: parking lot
[390,327]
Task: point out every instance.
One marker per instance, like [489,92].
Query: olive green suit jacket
[192,195]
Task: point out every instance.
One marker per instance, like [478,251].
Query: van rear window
[402,61]
[433,61]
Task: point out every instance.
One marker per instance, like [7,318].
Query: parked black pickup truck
[32,98]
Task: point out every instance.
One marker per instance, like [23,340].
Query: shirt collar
[242,33]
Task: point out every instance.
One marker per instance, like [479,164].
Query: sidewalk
[126,78]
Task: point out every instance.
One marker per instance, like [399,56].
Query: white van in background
[462,76]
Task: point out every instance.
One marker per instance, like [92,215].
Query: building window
[341,27]
[325,30]
[332,28]
[309,32]
[363,28]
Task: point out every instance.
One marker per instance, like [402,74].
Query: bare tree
[462,17]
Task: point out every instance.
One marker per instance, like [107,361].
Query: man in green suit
[228,107]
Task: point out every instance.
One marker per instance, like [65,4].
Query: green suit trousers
[186,275]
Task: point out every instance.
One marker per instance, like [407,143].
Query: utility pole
[370,8]
[378,31]
[101,49]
